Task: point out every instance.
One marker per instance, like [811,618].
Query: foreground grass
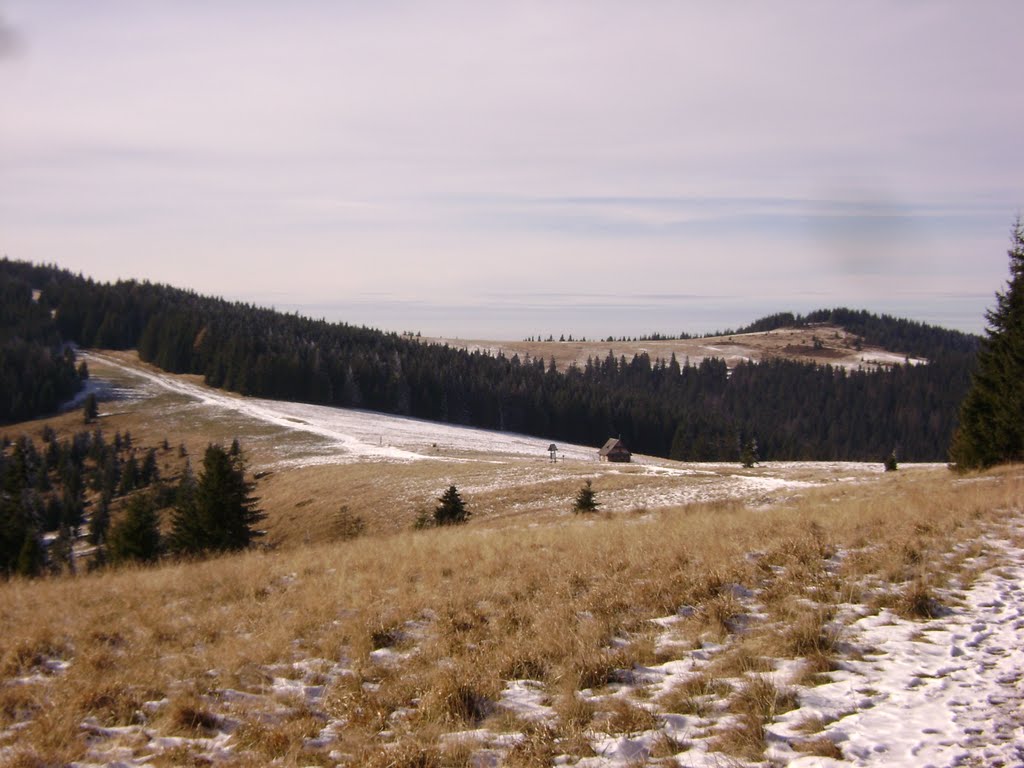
[368,652]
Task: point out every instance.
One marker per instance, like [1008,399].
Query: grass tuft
[918,601]
[820,747]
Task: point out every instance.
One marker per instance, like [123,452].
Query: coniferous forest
[793,410]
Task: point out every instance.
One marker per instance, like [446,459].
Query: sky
[503,170]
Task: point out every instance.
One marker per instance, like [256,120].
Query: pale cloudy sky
[520,168]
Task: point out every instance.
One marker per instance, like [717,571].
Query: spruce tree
[32,557]
[991,427]
[220,512]
[452,510]
[748,454]
[90,410]
[186,535]
[137,535]
[586,500]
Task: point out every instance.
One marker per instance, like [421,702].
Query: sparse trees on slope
[991,427]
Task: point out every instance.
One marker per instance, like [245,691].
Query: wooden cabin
[614,450]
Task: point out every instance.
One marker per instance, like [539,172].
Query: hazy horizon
[512,170]
[514,320]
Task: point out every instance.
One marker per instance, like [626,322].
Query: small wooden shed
[614,450]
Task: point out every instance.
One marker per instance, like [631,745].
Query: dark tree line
[37,371]
[699,412]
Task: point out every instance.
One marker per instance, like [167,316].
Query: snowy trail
[945,692]
[354,435]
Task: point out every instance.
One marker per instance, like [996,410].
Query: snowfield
[349,435]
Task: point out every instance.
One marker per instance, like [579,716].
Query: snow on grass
[527,700]
[947,691]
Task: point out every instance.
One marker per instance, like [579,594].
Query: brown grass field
[374,651]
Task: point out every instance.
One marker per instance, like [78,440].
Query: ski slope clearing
[338,435]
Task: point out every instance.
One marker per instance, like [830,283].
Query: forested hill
[37,371]
[794,410]
[895,334]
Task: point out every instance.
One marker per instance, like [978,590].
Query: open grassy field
[704,616]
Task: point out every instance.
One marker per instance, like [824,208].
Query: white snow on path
[944,692]
[354,435]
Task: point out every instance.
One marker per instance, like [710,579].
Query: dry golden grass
[401,639]
[820,746]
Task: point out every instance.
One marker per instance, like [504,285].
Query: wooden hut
[614,450]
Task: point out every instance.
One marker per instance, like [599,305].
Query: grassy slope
[391,641]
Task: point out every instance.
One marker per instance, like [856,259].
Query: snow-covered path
[347,434]
[944,692]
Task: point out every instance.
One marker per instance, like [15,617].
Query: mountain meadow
[231,536]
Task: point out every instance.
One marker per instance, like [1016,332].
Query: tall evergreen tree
[220,513]
[137,535]
[991,427]
[186,535]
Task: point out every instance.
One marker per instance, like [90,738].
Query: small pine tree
[150,471]
[91,410]
[890,462]
[99,521]
[586,500]
[32,557]
[748,455]
[451,510]
[129,476]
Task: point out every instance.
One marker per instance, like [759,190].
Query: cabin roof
[612,444]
